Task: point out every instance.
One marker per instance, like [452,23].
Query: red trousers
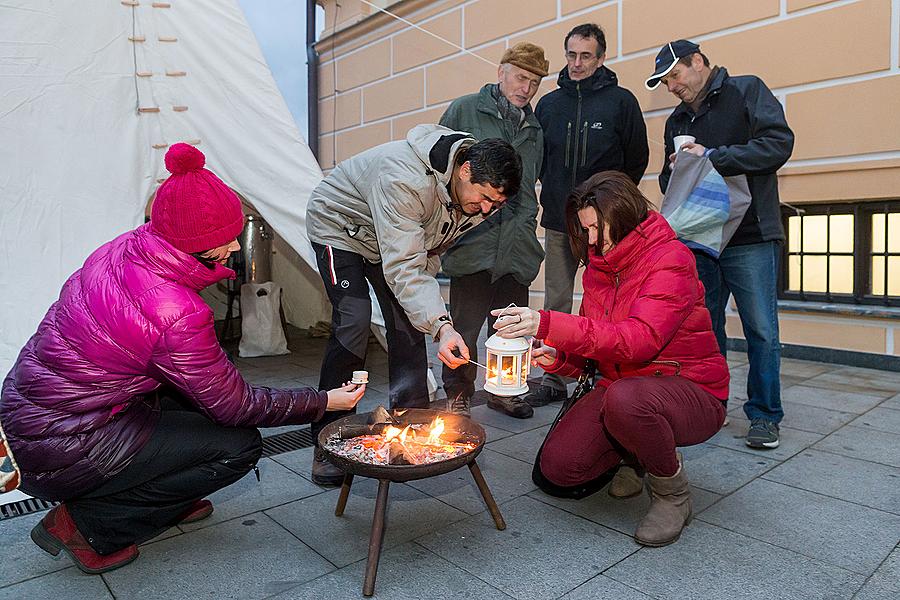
[636,418]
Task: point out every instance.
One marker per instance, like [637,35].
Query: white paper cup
[360,377]
[681,140]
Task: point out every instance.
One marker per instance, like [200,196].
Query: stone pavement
[819,517]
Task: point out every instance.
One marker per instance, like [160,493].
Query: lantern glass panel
[492,367]
[508,370]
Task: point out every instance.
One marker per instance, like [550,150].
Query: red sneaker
[57,531]
[198,511]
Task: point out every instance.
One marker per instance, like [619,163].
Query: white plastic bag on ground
[261,331]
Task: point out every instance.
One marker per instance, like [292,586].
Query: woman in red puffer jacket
[644,323]
[82,406]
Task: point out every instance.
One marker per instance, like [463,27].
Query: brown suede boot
[628,482]
[670,509]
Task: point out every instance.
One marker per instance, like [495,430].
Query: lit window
[843,253]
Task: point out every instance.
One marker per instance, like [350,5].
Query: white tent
[92,93]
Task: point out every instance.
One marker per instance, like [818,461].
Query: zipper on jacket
[575,149]
[584,143]
[568,142]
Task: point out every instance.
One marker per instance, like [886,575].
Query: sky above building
[280,29]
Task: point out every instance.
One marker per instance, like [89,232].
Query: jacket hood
[165,260]
[652,231]
[436,146]
[601,78]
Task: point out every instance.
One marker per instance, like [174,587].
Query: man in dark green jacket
[493,265]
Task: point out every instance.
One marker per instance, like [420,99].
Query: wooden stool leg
[345,493]
[488,497]
[377,537]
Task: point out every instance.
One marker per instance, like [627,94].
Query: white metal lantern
[508,365]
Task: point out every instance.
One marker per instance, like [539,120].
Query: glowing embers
[388,444]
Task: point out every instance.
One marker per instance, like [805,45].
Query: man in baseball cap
[668,57]
[740,127]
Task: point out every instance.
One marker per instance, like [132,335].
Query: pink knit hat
[193,210]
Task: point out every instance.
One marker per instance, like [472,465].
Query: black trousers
[187,458]
[345,275]
[472,297]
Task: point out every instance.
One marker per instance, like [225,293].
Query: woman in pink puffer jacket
[82,405]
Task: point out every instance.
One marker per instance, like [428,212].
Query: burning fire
[414,444]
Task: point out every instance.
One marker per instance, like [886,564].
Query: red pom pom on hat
[182,158]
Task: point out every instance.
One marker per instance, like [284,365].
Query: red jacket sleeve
[664,300]
[190,358]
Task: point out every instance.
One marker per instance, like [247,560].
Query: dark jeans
[345,274]
[471,299]
[750,274]
[641,418]
[187,458]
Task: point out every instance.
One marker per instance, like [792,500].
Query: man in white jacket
[384,216]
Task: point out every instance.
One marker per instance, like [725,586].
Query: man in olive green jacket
[493,265]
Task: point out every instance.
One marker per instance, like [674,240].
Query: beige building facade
[834,65]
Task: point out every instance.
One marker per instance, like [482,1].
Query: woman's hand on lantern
[543,355]
[517,321]
[345,397]
[452,350]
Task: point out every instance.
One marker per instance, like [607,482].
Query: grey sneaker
[460,405]
[513,406]
[544,395]
[763,434]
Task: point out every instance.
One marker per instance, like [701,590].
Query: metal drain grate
[24,507]
[286,442]
[276,444]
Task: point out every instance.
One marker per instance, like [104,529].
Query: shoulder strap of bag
[585,384]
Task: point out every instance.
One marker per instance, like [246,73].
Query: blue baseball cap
[668,57]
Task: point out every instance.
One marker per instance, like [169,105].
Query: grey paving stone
[277,485]
[493,434]
[298,461]
[20,558]
[543,553]
[543,415]
[893,403]
[885,582]
[623,515]
[721,470]
[860,481]
[506,477]
[736,359]
[814,419]
[850,381]
[709,562]
[831,399]
[604,587]
[345,540]
[803,368]
[522,446]
[854,537]
[407,572]
[866,444]
[792,441]
[881,419]
[245,558]
[880,375]
[68,583]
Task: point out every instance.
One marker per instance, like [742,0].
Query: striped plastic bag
[704,208]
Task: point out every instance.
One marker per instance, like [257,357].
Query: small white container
[681,140]
[360,377]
